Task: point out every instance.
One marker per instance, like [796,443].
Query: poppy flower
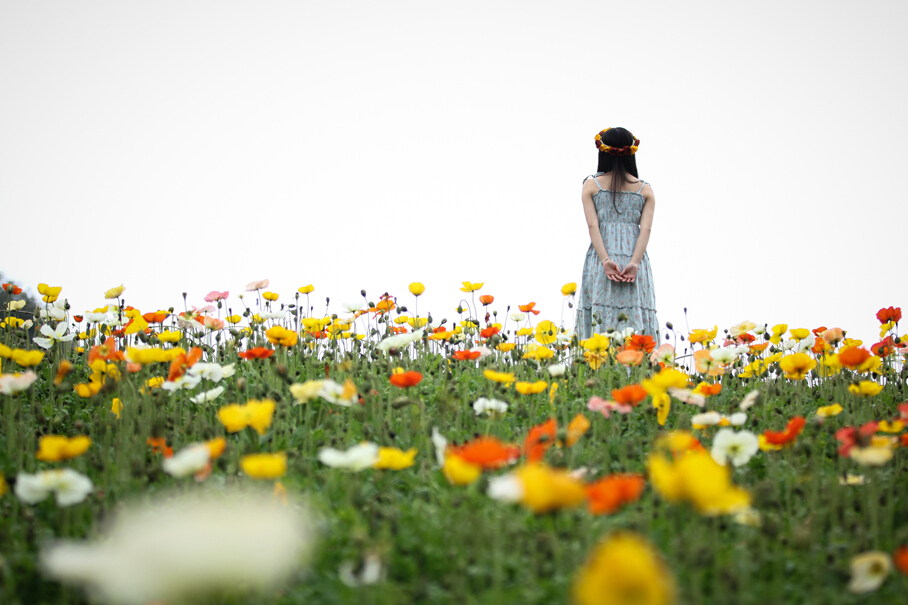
[12,289]
[855,437]
[486,299]
[630,357]
[641,342]
[214,295]
[791,432]
[853,357]
[54,448]
[487,452]
[708,390]
[254,286]
[107,351]
[466,355]
[889,314]
[883,348]
[528,308]
[257,353]
[183,362]
[62,370]
[114,292]
[576,427]
[306,289]
[272,296]
[797,366]
[489,332]
[540,438]
[900,558]
[568,289]
[631,395]
[531,388]
[159,445]
[608,495]
[702,335]
[405,380]
[471,287]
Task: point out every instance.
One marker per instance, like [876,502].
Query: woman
[617,290]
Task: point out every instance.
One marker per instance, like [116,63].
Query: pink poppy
[213,323]
[202,310]
[597,404]
[214,296]
[257,285]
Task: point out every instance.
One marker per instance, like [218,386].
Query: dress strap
[595,180]
[642,186]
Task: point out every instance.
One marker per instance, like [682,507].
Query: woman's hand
[612,270]
[629,273]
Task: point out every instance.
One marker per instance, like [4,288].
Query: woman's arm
[612,270]
[629,272]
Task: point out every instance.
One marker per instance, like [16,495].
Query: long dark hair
[619,165]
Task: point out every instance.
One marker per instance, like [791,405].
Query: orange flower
[78,318]
[608,495]
[758,348]
[384,305]
[883,348]
[791,432]
[62,370]
[487,452]
[631,395]
[853,357]
[528,308]
[900,558]
[158,445]
[398,330]
[466,355]
[12,289]
[257,353]
[641,342]
[183,362]
[539,439]
[888,314]
[486,299]
[630,357]
[108,352]
[708,390]
[489,332]
[156,317]
[405,380]
[576,428]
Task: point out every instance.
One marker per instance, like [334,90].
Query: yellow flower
[577,427]
[529,388]
[568,289]
[114,292]
[138,324]
[116,406]
[865,388]
[504,347]
[49,293]
[460,472]
[868,571]
[524,331]
[503,377]
[170,336]
[152,383]
[777,331]
[696,478]
[417,288]
[537,352]
[5,351]
[394,459]
[11,322]
[546,489]
[545,332]
[828,411]
[796,366]
[306,289]
[624,569]
[596,343]
[27,359]
[872,364]
[264,466]
[278,335]
[471,287]
[86,390]
[234,319]
[657,386]
[417,322]
[270,295]
[153,355]
[3,486]
[800,334]
[895,426]
[54,448]
[766,446]
[216,447]
[703,335]
[594,359]
[254,413]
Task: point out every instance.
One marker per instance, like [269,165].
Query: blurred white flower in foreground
[187,547]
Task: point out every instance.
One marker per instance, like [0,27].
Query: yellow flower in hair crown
[626,150]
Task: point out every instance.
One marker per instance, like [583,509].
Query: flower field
[250,450]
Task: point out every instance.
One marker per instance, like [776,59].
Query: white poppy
[209,371]
[399,341]
[53,335]
[188,461]
[186,381]
[441,444]
[68,486]
[482,405]
[868,570]
[806,343]
[15,305]
[333,392]
[16,383]
[518,317]
[273,315]
[738,448]
[55,310]
[556,370]
[741,328]
[369,574]
[706,419]
[95,318]
[565,336]
[749,400]
[506,488]
[209,395]
[352,307]
[737,419]
[687,396]
[357,458]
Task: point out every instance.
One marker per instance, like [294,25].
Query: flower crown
[626,150]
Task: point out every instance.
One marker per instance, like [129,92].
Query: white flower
[806,343]
[789,344]
[55,310]
[69,486]
[228,370]
[358,457]
[274,315]
[95,318]
[441,444]
[333,392]
[727,355]
[737,419]
[868,570]
[209,395]
[15,305]
[738,448]
[211,371]
[619,334]
[183,548]
[564,336]
[749,400]
[186,381]
[557,369]
[370,573]
[15,383]
[518,317]
[741,328]
[687,396]
[188,461]
[483,351]
[53,335]
[506,488]
[706,419]
[352,307]
[489,405]
[399,341]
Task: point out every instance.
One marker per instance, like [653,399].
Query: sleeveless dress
[607,299]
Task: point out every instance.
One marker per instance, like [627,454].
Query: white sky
[191,146]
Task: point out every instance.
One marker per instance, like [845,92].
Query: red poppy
[884,347]
[528,308]
[641,342]
[608,495]
[78,318]
[854,437]
[316,334]
[439,329]
[900,558]
[183,362]
[257,353]
[853,357]
[888,314]
[398,330]
[540,438]
[820,345]
[466,355]
[155,317]
[487,452]
[486,299]
[107,351]
[406,380]
[745,338]
[489,332]
[791,432]
[12,289]
[158,445]
[632,394]
[820,330]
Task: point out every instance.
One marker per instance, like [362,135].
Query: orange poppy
[746,338]
[707,389]
[398,330]
[528,308]
[487,452]
[439,329]
[608,495]
[820,330]
[257,353]
[155,317]
[78,318]
[62,370]
[489,332]
[641,342]
[540,438]
[486,299]
[631,395]
[853,357]
[900,558]
[384,305]
[630,357]
[107,351]
[466,355]
[159,445]
[888,314]
[183,362]
[406,380]
[12,289]
[791,432]
[883,348]
[758,348]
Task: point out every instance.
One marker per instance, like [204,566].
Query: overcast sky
[190,146]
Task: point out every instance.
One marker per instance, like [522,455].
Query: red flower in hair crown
[626,150]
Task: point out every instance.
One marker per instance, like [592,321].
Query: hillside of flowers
[247,449]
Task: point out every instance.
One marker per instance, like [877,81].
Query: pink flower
[213,323]
[597,404]
[12,383]
[202,310]
[214,296]
[257,285]
[664,354]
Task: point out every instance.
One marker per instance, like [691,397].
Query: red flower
[900,558]
[791,432]
[853,437]
[158,445]
[107,351]
[611,493]
[539,439]
[489,332]
[853,357]
[12,289]
[78,318]
[486,299]
[439,329]
[528,308]
[884,347]
[641,342]
[818,331]
[257,353]
[888,314]
[487,452]
[466,355]
[406,380]
[632,394]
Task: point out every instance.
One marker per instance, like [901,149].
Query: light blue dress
[607,299]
